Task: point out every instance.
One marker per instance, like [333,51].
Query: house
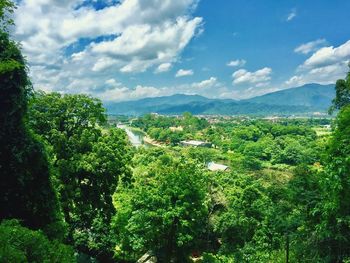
[194,143]
[217,167]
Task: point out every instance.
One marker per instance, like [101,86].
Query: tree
[7,8]
[25,183]
[342,97]
[334,228]
[89,163]
[20,244]
[164,210]
[246,206]
[62,120]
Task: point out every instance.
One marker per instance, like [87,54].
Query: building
[194,143]
[217,167]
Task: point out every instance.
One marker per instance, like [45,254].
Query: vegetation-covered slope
[73,189]
[305,99]
[315,96]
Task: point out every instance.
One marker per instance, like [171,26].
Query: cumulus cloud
[258,78]
[73,47]
[164,67]
[124,93]
[184,73]
[322,75]
[329,56]
[324,66]
[248,84]
[142,46]
[236,63]
[209,88]
[112,83]
[205,84]
[291,15]
[248,92]
[310,46]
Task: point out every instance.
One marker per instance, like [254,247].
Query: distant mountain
[310,95]
[156,104]
[300,100]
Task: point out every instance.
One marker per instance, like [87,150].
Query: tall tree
[25,185]
[334,228]
[335,224]
[89,162]
[163,211]
[342,89]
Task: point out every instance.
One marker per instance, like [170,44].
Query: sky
[132,49]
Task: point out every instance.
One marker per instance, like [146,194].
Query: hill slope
[157,104]
[310,95]
[308,98]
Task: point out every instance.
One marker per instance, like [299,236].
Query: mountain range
[300,100]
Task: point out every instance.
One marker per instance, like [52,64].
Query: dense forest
[74,189]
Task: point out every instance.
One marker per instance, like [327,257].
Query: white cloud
[310,46]
[258,78]
[248,92]
[324,66]
[102,64]
[184,72]
[322,75]
[295,81]
[291,15]
[164,67]
[112,83]
[142,46]
[329,55]
[236,63]
[74,48]
[205,84]
[124,93]
[78,56]
[248,84]
[211,88]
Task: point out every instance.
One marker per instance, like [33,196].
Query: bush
[20,244]
[211,258]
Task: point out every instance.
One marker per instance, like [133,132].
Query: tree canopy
[25,183]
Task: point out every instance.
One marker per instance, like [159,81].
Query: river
[136,138]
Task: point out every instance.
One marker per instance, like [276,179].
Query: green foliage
[7,8]
[89,164]
[334,230]
[164,210]
[342,97]
[159,127]
[211,258]
[20,244]
[245,213]
[25,183]
[284,188]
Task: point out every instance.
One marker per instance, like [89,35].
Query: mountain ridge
[306,95]
[304,99]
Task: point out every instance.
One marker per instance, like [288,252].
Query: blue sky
[124,50]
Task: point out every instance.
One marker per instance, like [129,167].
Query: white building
[194,143]
[217,167]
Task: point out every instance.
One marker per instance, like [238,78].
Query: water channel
[135,137]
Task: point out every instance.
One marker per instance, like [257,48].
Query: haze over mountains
[300,100]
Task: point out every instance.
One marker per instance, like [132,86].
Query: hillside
[310,95]
[156,104]
[305,99]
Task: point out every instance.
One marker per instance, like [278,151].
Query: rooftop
[217,167]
